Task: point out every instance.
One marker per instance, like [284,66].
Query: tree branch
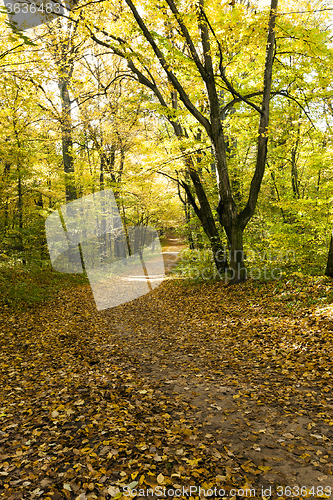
[222,70]
[248,211]
[188,38]
[173,79]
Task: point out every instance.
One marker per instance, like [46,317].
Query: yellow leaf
[113,491]
[264,468]
[160,479]
[193,462]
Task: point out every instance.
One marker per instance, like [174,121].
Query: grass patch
[22,287]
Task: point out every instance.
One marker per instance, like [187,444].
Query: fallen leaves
[179,395]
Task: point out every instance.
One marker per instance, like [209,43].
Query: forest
[209,124]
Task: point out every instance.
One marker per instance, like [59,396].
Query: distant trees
[67,130]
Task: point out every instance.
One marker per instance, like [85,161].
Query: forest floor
[190,385]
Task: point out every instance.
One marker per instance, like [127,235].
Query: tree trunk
[187,211]
[42,235]
[329,266]
[294,173]
[20,211]
[66,135]
[238,271]
[205,215]
[6,218]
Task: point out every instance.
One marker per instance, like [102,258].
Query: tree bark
[66,134]
[204,214]
[329,266]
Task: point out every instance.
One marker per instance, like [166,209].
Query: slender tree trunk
[66,134]
[101,171]
[294,173]
[278,196]
[5,175]
[19,197]
[42,235]
[187,211]
[20,208]
[20,213]
[329,266]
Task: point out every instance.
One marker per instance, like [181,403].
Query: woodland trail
[227,387]
[171,251]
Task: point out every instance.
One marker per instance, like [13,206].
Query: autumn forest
[208,125]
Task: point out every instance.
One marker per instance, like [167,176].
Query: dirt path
[272,427]
[171,251]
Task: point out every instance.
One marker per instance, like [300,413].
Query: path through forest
[201,384]
[171,251]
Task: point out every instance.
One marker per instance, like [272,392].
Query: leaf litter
[189,385]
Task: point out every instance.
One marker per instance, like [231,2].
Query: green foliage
[26,286]
[125,127]
[196,265]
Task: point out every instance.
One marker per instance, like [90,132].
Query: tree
[210,74]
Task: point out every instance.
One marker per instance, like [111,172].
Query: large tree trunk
[238,271]
[234,222]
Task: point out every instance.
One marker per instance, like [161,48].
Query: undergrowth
[25,286]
